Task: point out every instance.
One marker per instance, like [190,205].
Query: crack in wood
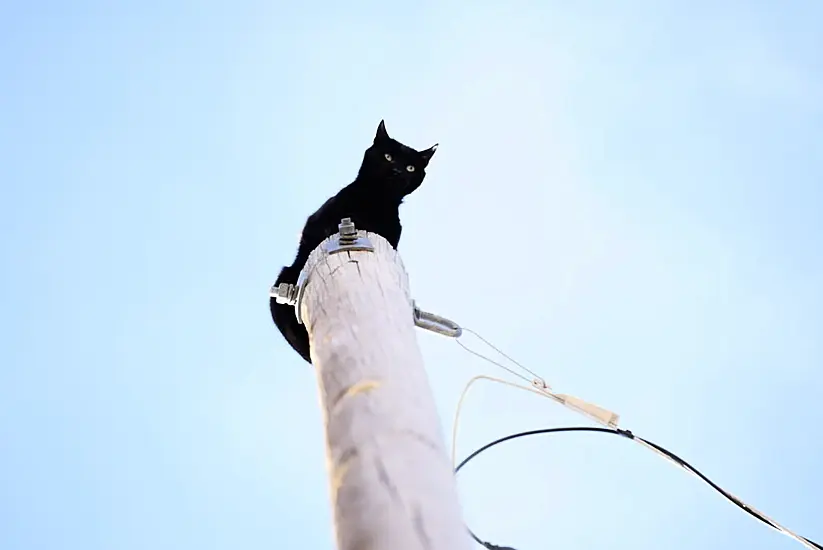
[420,528]
[385,481]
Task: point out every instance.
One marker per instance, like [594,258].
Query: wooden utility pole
[391,483]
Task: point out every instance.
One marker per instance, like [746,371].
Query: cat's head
[389,161]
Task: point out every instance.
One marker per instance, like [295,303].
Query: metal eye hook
[436,323]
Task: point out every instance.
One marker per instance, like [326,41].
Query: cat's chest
[369,208]
[384,222]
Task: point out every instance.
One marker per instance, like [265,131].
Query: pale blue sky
[626,198]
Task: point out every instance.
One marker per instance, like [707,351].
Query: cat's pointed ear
[382,134]
[427,154]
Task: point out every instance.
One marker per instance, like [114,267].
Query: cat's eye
[388,157]
[410,168]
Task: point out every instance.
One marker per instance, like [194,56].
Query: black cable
[628,435]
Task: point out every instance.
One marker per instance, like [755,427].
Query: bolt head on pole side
[284,293]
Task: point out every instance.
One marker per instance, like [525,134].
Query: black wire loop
[629,435]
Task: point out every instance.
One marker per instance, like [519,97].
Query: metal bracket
[302,279]
[436,323]
[348,238]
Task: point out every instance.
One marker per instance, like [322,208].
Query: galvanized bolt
[347,227]
[348,238]
[284,293]
[348,233]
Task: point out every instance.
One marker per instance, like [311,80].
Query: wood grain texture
[391,483]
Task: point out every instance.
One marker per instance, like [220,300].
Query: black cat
[389,172]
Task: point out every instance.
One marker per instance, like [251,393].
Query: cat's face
[389,161]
